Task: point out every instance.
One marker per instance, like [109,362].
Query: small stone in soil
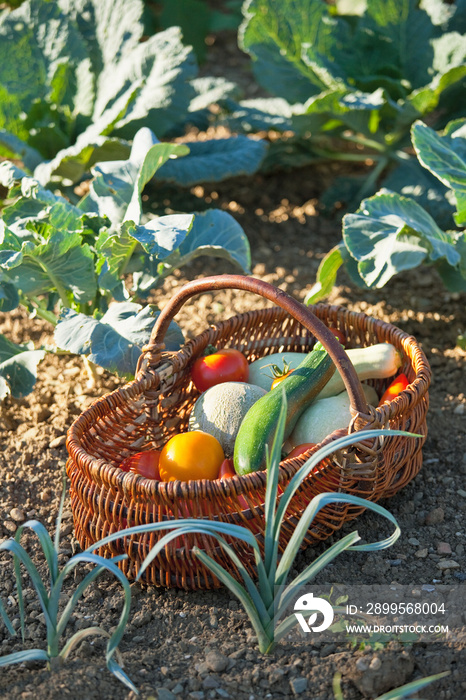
[165,694]
[216,661]
[435,517]
[142,618]
[414,541]
[203,668]
[422,553]
[298,685]
[327,650]
[18,515]
[57,442]
[445,564]
[66,529]
[238,653]
[361,664]
[276,675]
[373,680]
[443,548]
[210,682]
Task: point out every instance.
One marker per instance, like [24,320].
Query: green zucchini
[258,427]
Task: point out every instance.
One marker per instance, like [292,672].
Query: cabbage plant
[67,263]
[78,79]
[392,232]
[345,80]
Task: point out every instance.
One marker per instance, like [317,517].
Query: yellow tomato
[191,455]
[279,379]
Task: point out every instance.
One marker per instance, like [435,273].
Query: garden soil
[200,645]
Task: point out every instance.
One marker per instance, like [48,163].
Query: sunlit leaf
[214,160]
[18,368]
[116,190]
[114,341]
[390,233]
[445,157]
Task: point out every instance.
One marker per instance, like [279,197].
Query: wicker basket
[147,411]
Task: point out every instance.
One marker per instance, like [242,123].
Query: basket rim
[105,473]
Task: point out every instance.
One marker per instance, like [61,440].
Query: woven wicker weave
[147,411]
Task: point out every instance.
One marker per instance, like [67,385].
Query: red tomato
[299,449]
[340,336]
[143,463]
[227,471]
[396,387]
[228,365]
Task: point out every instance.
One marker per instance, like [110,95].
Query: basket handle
[358,403]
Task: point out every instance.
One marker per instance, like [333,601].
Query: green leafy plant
[48,593]
[404,691]
[266,601]
[77,80]
[348,79]
[197,19]
[18,365]
[390,232]
[72,260]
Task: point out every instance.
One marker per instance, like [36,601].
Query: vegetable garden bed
[172,632]
[199,645]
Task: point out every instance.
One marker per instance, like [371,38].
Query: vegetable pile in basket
[232,423]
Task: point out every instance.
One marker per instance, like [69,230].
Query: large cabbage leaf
[115,340]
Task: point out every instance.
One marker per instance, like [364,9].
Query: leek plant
[49,596]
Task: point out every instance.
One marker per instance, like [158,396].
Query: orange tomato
[191,455]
